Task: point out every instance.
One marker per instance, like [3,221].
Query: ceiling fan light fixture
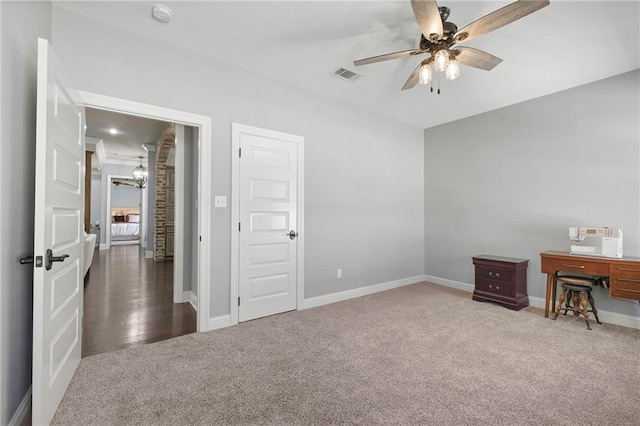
[453,70]
[425,74]
[441,60]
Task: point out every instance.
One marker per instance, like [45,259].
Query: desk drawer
[577,265]
[494,274]
[628,271]
[496,287]
[627,288]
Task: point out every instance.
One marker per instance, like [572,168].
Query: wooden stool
[577,290]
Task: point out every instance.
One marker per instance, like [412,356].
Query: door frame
[205,163]
[107,235]
[236,130]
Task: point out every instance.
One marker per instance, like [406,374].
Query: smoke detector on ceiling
[161,13]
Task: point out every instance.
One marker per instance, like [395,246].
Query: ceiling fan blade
[499,18]
[428,17]
[476,58]
[387,57]
[414,78]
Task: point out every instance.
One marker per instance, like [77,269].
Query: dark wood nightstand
[501,280]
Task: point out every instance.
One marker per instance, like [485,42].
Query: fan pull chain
[438,84]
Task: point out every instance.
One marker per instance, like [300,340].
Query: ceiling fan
[122,182]
[439,38]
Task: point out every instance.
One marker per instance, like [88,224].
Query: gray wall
[125,196]
[21,23]
[510,182]
[151,201]
[96,198]
[364,173]
[190,237]
[195,155]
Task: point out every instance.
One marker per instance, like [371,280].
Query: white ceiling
[564,45]
[125,146]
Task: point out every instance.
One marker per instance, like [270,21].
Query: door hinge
[238,301]
[200,238]
[239,152]
[238,226]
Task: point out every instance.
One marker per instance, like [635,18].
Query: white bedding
[125,229]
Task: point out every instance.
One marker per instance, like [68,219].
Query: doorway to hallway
[128,301]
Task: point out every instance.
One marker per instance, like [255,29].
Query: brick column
[163,146]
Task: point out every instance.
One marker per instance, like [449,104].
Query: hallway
[128,301]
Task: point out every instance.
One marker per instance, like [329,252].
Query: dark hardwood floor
[128,300]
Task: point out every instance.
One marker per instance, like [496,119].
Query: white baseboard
[221,321]
[190,296]
[22,410]
[604,316]
[538,302]
[358,292]
[148,254]
[450,283]
[103,246]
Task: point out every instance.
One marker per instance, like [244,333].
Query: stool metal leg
[559,308]
[576,303]
[583,307]
[567,305]
[593,307]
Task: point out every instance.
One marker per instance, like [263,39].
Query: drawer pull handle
[497,287]
[629,269]
[573,266]
[491,274]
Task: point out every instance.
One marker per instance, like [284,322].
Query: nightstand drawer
[494,274]
[628,288]
[496,287]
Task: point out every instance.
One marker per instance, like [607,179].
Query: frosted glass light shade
[425,74]
[441,60]
[453,70]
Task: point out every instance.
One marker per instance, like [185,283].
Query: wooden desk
[624,274]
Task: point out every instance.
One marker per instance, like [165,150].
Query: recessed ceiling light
[161,13]
[113,131]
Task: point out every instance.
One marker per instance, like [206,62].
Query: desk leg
[554,290]
[547,297]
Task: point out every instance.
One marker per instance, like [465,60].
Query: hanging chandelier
[140,175]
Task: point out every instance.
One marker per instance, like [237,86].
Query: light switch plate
[220,201]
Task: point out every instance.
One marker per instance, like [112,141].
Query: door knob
[49,258]
[293,234]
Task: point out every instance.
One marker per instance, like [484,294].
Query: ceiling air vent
[345,74]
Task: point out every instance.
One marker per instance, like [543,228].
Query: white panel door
[57,281]
[268,225]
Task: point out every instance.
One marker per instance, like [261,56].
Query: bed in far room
[125,225]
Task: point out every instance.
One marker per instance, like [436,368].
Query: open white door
[57,278]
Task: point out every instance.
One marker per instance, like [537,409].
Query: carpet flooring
[420,354]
